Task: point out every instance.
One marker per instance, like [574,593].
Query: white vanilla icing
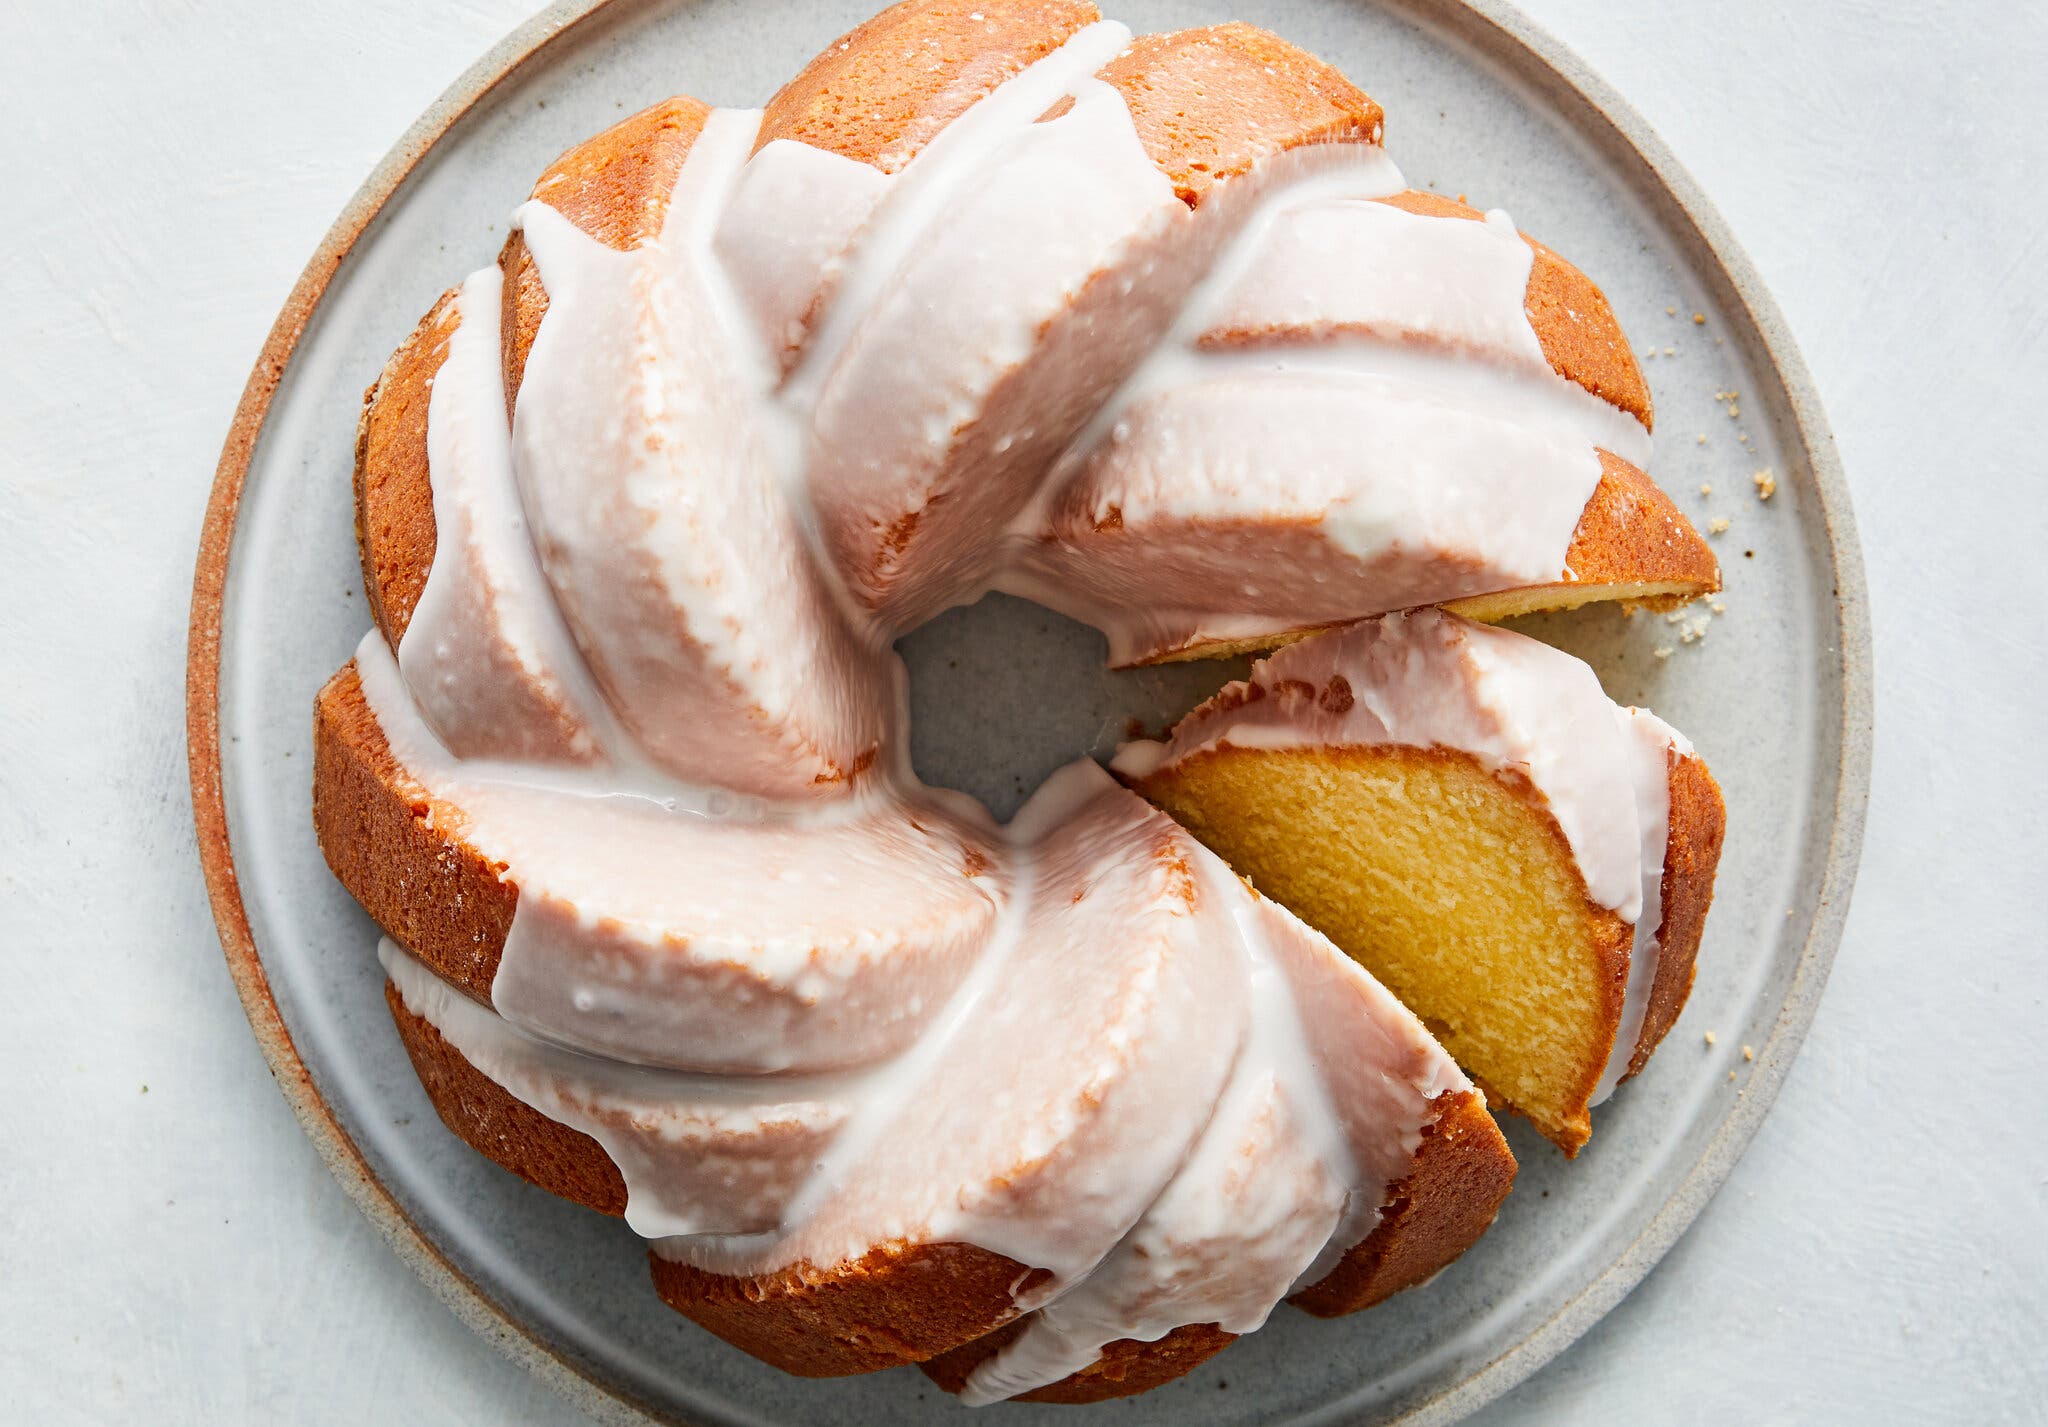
[671,541]
[652,929]
[806,1005]
[784,270]
[908,425]
[1353,264]
[487,659]
[1427,679]
[1430,679]
[699,1154]
[1653,743]
[958,155]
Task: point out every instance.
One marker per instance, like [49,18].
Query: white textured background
[171,1250]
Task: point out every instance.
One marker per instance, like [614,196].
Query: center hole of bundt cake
[1003,692]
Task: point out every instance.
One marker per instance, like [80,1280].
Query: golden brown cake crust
[1573,321]
[880,92]
[397,850]
[561,1160]
[1210,103]
[394,508]
[1631,533]
[897,1304]
[1692,854]
[1454,1188]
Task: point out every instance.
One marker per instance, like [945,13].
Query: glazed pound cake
[989,297]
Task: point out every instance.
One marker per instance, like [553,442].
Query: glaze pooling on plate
[712,460]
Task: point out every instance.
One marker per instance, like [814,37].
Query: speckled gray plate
[1776,694]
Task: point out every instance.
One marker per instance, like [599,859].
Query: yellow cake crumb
[1705,489]
[1748,1053]
[1710,1037]
[1766,484]
[1699,319]
[1718,525]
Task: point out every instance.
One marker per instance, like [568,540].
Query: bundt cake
[988,297]
[1524,863]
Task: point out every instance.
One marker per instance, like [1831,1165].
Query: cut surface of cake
[1461,808]
[997,296]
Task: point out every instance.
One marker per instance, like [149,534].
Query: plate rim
[1502,33]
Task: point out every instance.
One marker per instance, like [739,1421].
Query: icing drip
[487,659]
[1653,743]
[648,464]
[1345,264]
[649,676]
[699,1154]
[784,271]
[1428,679]
[942,411]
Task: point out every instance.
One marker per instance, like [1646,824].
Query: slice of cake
[1461,808]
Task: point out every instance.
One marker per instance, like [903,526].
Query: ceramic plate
[1775,693]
